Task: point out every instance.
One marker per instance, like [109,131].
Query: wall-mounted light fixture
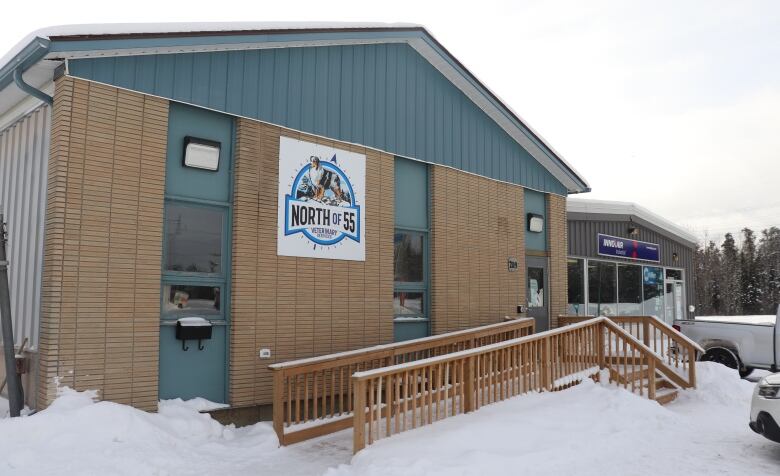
[535,223]
[675,257]
[201,153]
[633,230]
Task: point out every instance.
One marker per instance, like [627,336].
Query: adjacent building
[625,260]
[190,203]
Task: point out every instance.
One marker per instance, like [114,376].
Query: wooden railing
[405,396]
[314,397]
[675,349]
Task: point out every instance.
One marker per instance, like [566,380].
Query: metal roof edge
[511,115]
[39,47]
[619,211]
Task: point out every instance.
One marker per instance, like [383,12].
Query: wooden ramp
[407,385]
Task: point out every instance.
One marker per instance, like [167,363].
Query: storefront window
[653,289]
[576,279]
[193,235]
[602,288]
[629,290]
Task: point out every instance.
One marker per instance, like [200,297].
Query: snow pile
[590,429]
[77,435]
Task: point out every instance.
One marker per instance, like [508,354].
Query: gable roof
[44,50]
[588,209]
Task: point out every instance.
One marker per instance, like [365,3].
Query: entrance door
[536,291]
[674,301]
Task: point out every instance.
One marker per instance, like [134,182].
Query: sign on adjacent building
[627,248]
[321,201]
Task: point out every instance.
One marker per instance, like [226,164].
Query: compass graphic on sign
[320,205]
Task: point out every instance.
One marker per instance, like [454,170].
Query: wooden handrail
[401,397]
[676,349]
[314,396]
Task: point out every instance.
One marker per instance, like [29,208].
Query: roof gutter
[13,70]
[29,89]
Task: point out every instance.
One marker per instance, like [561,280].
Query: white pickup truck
[740,342]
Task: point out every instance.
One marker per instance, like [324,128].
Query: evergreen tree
[749,283]
[729,277]
[768,259]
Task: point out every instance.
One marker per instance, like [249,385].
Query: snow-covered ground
[588,429]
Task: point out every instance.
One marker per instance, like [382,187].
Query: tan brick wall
[103,243]
[276,301]
[557,246]
[476,225]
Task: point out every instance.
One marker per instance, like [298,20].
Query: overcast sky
[673,105]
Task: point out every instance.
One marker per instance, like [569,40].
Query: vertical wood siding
[383,96]
[583,242]
[476,225]
[557,292]
[301,307]
[103,244]
[24,152]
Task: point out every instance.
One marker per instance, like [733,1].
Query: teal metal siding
[188,183]
[384,96]
[411,194]
[198,373]
[535,202]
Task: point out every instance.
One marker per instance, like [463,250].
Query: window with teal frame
[411,251]
[194,255]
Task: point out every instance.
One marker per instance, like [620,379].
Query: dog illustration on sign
[323,183]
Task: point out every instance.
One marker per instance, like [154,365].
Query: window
[629,290]
[576,278]
[408,257]
[675,274]
[193,236]
[408,304]
[602,288]
[653,291]
[535,287]
[186,300]
[410,250]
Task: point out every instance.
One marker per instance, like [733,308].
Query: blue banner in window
[628,249]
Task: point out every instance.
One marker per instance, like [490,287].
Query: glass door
[674,298]
[538,307]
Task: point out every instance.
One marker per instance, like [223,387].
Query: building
[190,203]
[626,260]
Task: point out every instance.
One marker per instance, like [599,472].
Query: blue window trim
[425,285]
[224,279]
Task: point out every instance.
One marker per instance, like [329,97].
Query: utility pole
[15,395]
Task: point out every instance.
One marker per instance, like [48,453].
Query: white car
[765,408]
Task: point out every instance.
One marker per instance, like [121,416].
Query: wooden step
[641,373]
[667,395]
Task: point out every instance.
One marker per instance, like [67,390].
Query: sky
[674,105]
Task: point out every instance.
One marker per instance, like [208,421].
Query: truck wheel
[746,372]
[722,357]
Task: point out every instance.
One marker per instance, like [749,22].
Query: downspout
[19,80]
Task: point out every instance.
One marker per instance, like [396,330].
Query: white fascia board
[187,27]
[212,48]
[607,207]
